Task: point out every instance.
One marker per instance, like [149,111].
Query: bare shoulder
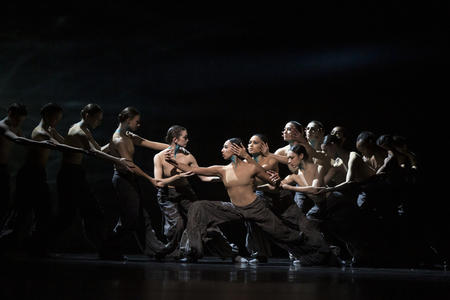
[282,151]
[159,156]
[117,140]
[355,157]
[272,161]
[39,133]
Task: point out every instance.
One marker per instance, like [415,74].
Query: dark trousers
[75,196]
[205,214]
[33,206]
[131,212]
[256,241]
[174,204]
[5,196]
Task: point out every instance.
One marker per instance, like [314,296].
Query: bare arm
[351,181]
[11,136]
[55,135]
[49,142]
[139,141]
[267,176]
[105,149]
[386,162]
[282,159]
[204,178]
[270,177]
[209,171]
[300,184]
[121,149]
[158,172]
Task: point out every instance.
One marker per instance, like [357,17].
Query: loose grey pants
[205,214]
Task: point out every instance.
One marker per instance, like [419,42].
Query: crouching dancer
[238,178]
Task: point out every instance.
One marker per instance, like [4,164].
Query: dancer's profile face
[364,148]
[329,149]
[95,120]
[183,139]
[338,132]
[254,145]
[55,118]
[134,123]
[226,150]
[16,120]
[294,160]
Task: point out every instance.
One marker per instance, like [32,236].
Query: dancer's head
[16,114]
[366,143]
[92,114]
[296,155]
[341,133]
[386,142]
[330,146]
[226,149]
[51,113]
[314,133]
[177,135]
[131,118]
[289,128]
[255,143]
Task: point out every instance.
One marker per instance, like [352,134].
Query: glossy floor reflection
[84,277]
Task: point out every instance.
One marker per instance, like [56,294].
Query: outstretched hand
[239,150]
[186,174]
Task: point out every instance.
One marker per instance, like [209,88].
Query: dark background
[236,70]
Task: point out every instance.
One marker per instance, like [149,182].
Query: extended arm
[209,171]
[204,178]
[121,149]
[139,141]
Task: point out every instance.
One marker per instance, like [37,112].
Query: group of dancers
[334,204]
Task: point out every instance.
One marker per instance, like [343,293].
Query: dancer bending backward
[176,197]
[127,189]
[238,178]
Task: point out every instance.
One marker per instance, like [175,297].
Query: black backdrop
[235,71]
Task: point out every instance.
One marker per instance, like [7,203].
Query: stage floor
[83,276]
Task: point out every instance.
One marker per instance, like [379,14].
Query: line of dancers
[334,205]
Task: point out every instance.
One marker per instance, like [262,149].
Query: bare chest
[237,177]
